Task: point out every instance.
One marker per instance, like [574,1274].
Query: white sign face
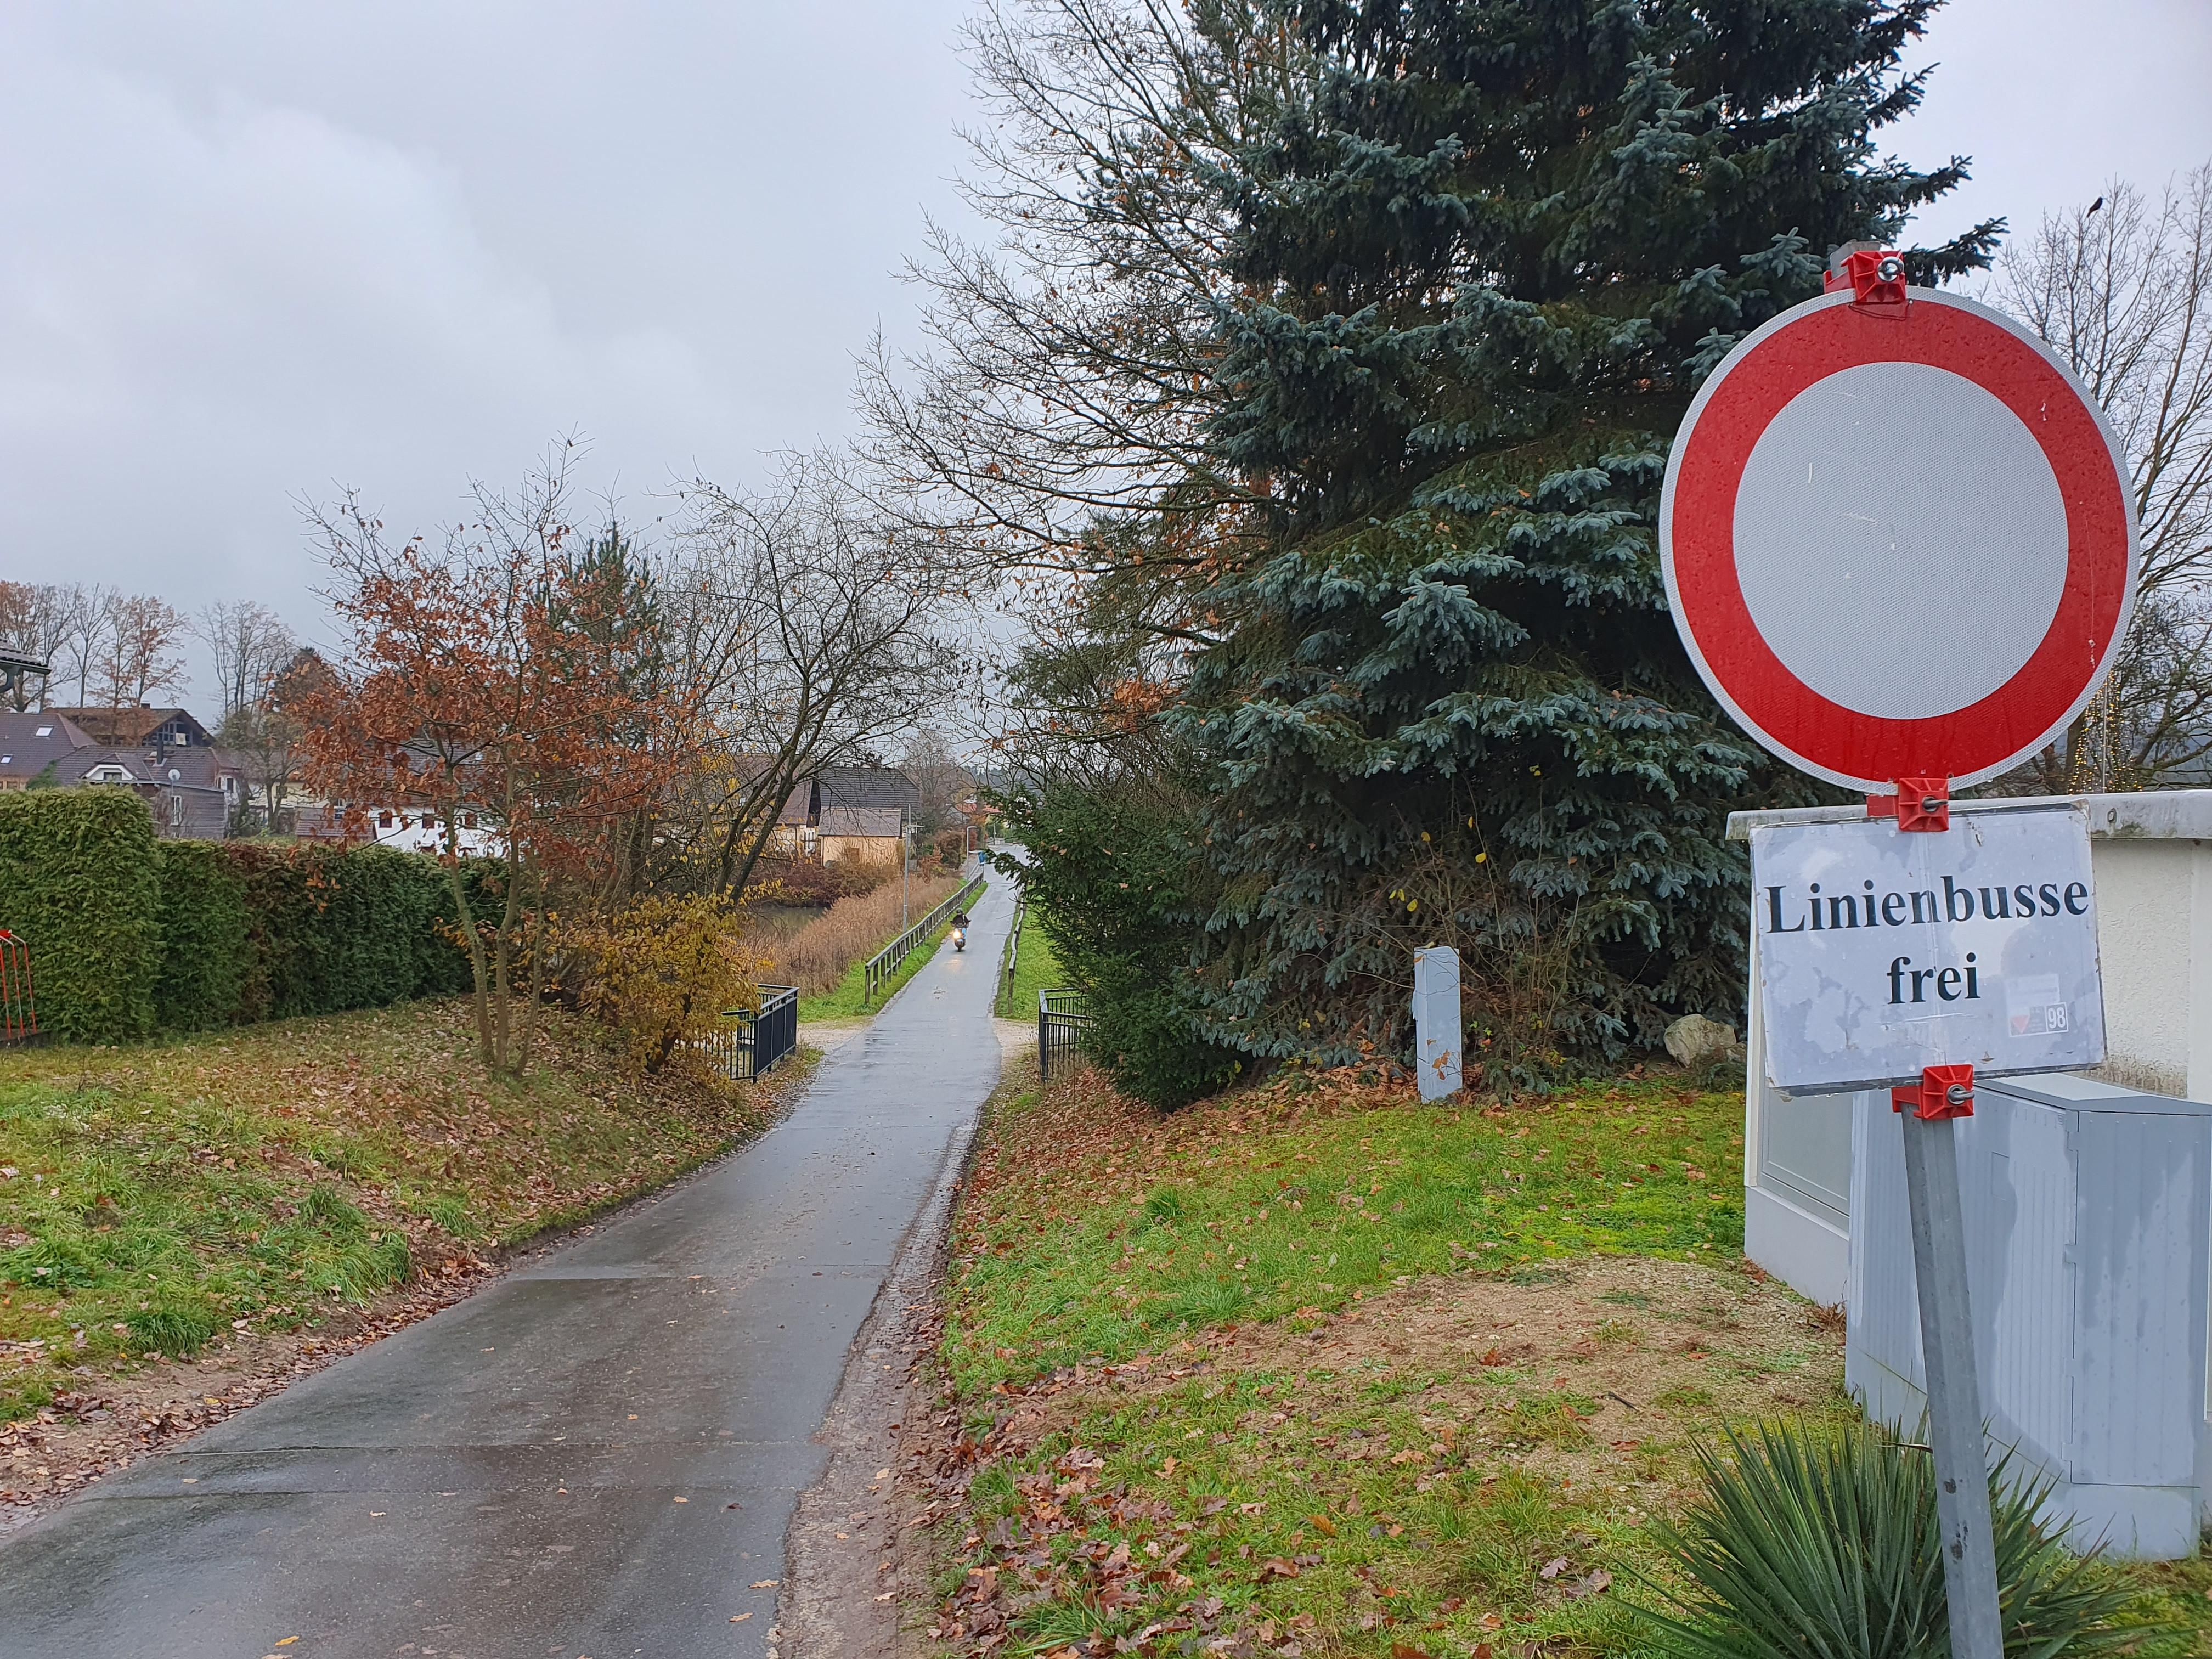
[1881,951]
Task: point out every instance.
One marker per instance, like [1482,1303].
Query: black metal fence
[885,962]
[1063,1017]
[752,1044]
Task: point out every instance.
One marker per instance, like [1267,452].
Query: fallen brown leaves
[386,1107]
[1565,1414]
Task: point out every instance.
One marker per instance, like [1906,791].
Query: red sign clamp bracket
[1875,278]
[1920,803]
[1943,1091]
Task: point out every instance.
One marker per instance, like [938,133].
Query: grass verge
[1093,1227]
[1037,968]
[155,1200]
[1316,1369]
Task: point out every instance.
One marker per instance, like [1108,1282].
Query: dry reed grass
[820,954]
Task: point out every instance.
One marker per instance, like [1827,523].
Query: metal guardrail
[882,965]
[1063,1017]
[751,1047]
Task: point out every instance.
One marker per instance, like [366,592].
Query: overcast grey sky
[251,250]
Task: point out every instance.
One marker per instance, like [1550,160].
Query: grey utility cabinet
[2088,1212]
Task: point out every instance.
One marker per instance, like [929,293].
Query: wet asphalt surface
[597,1456]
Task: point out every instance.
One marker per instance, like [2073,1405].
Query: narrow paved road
[597,1456]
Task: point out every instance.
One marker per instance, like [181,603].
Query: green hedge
[81,882]
[204,933]
[128,933]
[328,930]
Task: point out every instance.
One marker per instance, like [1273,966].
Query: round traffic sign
[1897,540]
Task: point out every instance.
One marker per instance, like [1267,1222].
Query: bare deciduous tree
[817,618]
[266,735]
[1072,369]
[939,778]
[139,652]
[83,639]
[2122,289]
[250,647]
[34,620]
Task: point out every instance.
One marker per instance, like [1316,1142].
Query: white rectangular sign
[1881,951]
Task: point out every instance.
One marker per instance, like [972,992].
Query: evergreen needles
[1824,1542]
[1332,354]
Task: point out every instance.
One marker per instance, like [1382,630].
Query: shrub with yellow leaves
[663,971]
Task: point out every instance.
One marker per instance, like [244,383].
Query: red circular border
[1737,408]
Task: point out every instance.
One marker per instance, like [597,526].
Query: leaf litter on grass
[1317,1369]
[1369,1484]
[220,1195]
[1091,1225]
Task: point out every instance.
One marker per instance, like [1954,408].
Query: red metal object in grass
[19,1013]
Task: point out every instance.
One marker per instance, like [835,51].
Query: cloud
[2053,98]
[255,252]
[250,300]
[253,248]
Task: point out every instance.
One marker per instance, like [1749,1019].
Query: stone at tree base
[1694,1037]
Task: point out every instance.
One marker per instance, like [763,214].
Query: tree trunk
[536,980]
[502,962]
[474,946]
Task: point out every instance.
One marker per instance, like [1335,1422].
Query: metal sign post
[1955,1392]
[1899,547]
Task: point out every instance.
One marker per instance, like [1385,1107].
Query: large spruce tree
[1395,307]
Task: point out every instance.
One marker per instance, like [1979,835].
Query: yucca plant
[1823,1543]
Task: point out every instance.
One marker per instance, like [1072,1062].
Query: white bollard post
[1436,1037]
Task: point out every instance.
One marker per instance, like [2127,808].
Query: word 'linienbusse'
[1817,912]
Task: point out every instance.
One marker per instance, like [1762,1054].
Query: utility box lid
[2084,1094]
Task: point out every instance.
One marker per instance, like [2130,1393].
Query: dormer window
[108,774]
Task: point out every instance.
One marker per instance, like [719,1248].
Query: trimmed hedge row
[129,934]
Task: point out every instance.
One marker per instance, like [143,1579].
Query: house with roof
[863,835]
[33,747]
[139,726]
[793,835]
[422,830]
[192,789]
[864,786]
[820,810]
